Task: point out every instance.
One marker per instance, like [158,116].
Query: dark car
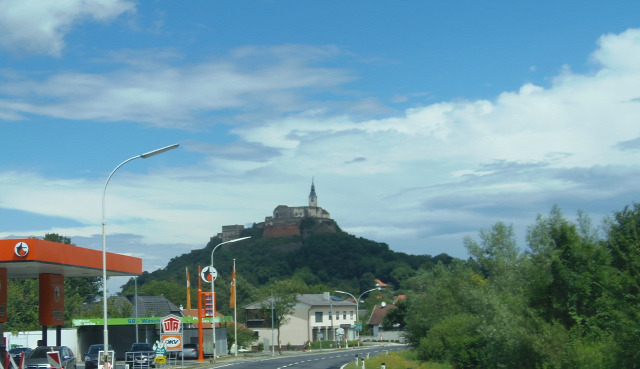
[190,351]
[38,358]
[140,355]
[16,351]
[91,356]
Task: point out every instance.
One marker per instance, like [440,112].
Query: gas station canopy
[30,257]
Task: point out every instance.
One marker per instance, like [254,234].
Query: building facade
[315,317]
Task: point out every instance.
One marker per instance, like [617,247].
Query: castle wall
[230,232]
[317,213]
[281,230]
[285,212]
[286,220]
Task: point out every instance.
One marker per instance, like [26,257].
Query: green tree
[395,317]
[279,301]
[570,270]
[497,254]
[623,232]
[454,339]
[246,336]
[438,293]
[22,305]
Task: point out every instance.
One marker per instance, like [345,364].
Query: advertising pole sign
[172,333]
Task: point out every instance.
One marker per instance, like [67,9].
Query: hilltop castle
[287,220]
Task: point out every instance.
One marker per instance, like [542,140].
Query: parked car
[190,351]
[38,358]
[16,351]
[91,356]
[140,355]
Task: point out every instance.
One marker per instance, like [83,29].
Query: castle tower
[313,199]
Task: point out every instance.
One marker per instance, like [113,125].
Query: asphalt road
[333,359]
[318,359]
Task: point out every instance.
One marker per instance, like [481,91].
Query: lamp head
[159,151]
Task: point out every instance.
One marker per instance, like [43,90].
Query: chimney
[327,296]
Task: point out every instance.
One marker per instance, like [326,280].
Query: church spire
[313,199]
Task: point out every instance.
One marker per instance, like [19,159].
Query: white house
[315,317]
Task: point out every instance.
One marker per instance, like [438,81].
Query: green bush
[453,340]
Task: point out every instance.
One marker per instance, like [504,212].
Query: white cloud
[619,52]
[39,27]
[149,89]
[419,180]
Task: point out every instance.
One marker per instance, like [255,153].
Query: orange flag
[188,290]
[232,299]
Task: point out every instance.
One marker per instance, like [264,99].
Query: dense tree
[554,306]
[22,303]
[324,261]
[436,294]
[623,232]
[395,317]
[570,269]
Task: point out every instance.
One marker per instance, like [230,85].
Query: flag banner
[232,299]
[188,290]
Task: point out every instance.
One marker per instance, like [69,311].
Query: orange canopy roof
[30,257]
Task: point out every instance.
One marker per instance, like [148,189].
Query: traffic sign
[53,358]
[209,274]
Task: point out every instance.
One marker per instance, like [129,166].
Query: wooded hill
[323,261]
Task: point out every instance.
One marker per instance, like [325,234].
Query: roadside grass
[396,360]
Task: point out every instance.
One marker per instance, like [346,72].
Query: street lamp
[107,359]
[213,294]
[357,306]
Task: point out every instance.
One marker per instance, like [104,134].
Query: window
[337,315]
[344,315]
[351,315]
[318,316]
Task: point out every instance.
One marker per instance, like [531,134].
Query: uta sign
[171,333]
[171,324]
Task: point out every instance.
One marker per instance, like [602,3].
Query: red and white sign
[53,357]
[171,332]
[171,324]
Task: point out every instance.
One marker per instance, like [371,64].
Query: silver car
[140,355]
[15,353]
[190,351]
[38,358]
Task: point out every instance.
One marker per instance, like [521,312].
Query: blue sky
[421,122]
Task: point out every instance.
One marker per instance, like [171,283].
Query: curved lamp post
[357,305]
[107,358]
[213,295]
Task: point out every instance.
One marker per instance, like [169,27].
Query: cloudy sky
[421,122]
